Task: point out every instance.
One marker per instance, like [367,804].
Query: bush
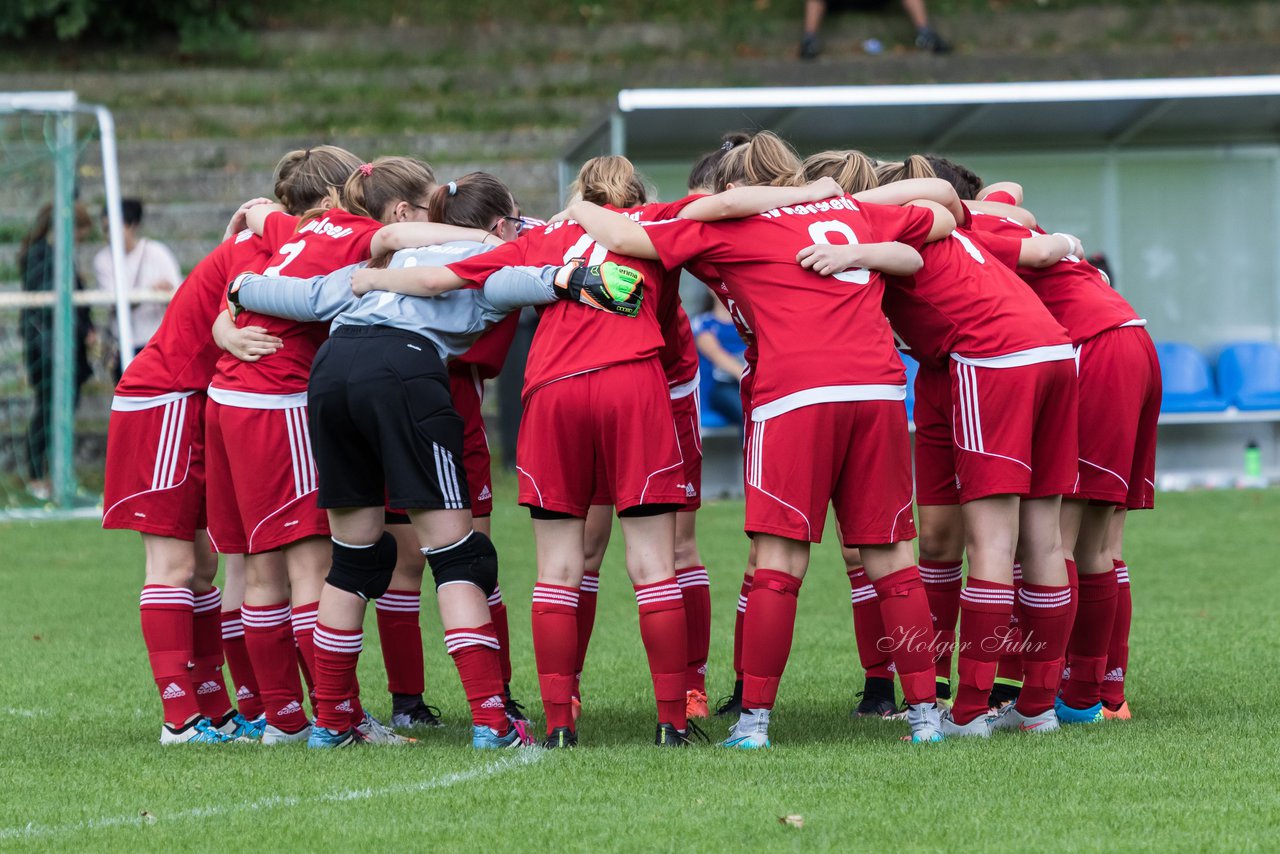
[194,22]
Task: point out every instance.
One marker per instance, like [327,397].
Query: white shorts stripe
[175,441]
[291,428]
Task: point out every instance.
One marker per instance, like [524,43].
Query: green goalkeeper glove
[609,287]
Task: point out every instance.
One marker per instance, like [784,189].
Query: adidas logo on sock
[344,706]
[173,691]
[494,702]
[702,670]
[484,493]
[243,693]
[1115,674]
[293,708]
[208,688]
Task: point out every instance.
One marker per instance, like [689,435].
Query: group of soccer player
[313,401]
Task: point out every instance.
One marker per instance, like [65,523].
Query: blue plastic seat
[1188,382]
[913,368]
[1249,375]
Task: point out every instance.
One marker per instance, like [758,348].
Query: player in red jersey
[827,368]
[1011,389]
[1119,380]
[155,484]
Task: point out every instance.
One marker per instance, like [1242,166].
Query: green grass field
[1196,769]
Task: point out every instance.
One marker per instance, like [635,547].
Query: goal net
[61,339]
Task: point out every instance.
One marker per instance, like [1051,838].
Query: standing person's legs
[595,541]
[248,696]
[926,37]
[1046,606]
[1114,704]
[814,12]
[558,547]
[399,613]
[1095,612]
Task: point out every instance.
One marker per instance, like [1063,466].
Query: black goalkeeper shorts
[383,427]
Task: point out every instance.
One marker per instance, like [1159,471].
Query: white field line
[43,831]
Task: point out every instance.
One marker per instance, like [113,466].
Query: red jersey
[489,352]
[820,339]
[679,355]
[962,302]
[574,338]
[182,354]
[316,248]
[1073,290]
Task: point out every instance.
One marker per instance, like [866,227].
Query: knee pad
[473,560]
[364,570]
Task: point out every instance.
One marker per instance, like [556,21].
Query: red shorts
[155,467]
[261,479]
[467,391]
[855,455]
[616,420]
[1120,388]
[935,451]
[688,415]
[1014,429]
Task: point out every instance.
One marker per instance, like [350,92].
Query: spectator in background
[149,266]
[719,343]
[35,266]
[815,10]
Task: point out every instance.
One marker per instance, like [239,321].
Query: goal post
[56,121]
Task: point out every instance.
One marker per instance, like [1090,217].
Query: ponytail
[610,180]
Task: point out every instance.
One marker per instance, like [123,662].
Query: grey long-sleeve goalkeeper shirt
[451,321]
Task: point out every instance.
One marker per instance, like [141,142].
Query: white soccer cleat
[1012,720]
[926,723]
[199,731]
[274,735]
[374,731]
[979,727]
[751,732]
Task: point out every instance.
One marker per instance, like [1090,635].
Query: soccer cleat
[239,727]
[199,731]
[810,46]
[417,714]
[1012,720]
[695,704]
[669,736]
[877,700]
[751,732]
[560,737]
[1068,715]
[375,731]
[1120,714]
[275,735]
[1002,694]
[322,738]
[484,738]
[732,704]
[979,727]
[928,40]
[514,709]
[926,723]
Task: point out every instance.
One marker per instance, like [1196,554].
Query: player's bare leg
[941,545]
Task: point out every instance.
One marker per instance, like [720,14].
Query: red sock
[498,616]
[167,633]
[337,651]
[943,580]
[767,630]
[984,618]
[695,586]
[400,633]
[904,607]
[1118,648]
[868,626]
[1046,625]
[1009,667]
[1090,638]
[269,642]
[206,658]
[738,620]
[588,592]
[303,619]
[475,654]
[233,647]
[555,649]
[664,631]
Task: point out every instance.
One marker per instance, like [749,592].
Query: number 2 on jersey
[290,251]
[818,232]
[586,248]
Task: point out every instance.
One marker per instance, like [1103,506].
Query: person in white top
[148,266]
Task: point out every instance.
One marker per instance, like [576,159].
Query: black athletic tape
[473,560]
[365,571]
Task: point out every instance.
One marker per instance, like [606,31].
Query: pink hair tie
[366,169]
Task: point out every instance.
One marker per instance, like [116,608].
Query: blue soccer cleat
[240,728]
[199,731]
[485,738]
[1068,715]
[322,738]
